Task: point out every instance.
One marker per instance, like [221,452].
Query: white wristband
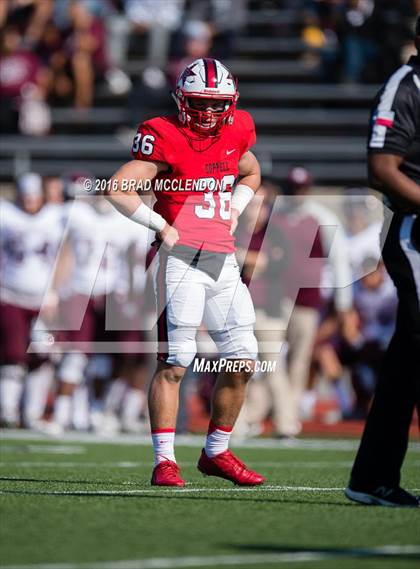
[149,218]
[241,197]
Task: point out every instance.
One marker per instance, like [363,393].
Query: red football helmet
[206,95]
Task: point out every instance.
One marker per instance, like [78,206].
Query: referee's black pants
[385,438]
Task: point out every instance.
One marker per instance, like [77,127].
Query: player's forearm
[249,182]
[386,177]
[128,202]
[249,171]
[252,180]
[135,209]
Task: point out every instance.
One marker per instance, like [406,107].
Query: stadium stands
[299,120]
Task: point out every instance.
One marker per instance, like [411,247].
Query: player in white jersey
[126,397]
[97,238]
[30,233]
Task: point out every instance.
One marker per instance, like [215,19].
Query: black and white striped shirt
[395,118]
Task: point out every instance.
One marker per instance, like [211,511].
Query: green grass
[52,509]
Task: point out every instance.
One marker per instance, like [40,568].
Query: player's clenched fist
[169,236]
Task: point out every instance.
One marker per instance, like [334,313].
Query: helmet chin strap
[186,117]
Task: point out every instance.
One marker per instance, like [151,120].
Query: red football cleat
[166,474]
[227,465]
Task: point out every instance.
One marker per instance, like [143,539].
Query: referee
[394,169]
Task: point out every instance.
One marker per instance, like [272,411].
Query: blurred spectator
[301,301]
[147,13]
[196,42]
[29,16]
[320,261]
[225,18]
[375,302]
[358,39]
[337,269]
[335,275]
[395,22]
[85,48]
[73,46]
[60,47]
[289,278]
[359,33]
[326,364]
[23,86]
[320,34]
[363,229]
[153,24]
[373,35]
[373,286]
[290,249]
[373,321]
[263,263]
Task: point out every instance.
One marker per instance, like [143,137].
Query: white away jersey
[99,238]
[29,244]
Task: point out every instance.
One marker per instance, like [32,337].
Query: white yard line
[46,464]
[164,490]
[388,551]
[272,488]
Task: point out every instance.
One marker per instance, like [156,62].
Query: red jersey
[194,194]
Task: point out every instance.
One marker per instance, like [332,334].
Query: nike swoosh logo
[230,151]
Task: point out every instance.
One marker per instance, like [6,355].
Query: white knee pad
[15,372]
[72,368]
[182,346]
[237,343]
[184,356]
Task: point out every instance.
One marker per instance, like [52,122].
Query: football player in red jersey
[194,159]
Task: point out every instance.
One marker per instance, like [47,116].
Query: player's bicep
[248,164]
[140,170]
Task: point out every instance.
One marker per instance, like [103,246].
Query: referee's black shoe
[382,496]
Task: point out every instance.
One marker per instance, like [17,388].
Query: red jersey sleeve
[247,129]
[151,143]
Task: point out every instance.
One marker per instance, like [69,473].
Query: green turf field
[81,504]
